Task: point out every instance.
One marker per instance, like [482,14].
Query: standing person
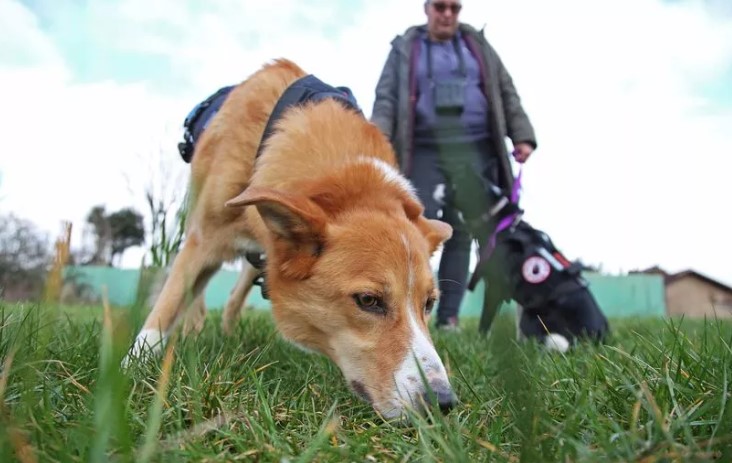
[447,104]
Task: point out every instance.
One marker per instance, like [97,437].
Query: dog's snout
[359,388]
[442,396]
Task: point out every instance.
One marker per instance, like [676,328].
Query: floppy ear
[435,232]
[297,225]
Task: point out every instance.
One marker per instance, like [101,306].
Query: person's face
[442,18]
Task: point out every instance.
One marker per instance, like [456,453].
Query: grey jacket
[394,105]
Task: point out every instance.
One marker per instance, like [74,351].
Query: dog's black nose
[445,398]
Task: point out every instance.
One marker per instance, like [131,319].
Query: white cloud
[21,42]
[623,173]
[632,164]
[67,144]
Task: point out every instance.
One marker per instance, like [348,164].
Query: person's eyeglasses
[441,7]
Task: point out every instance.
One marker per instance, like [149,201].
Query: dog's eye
[370,303]
[429,305]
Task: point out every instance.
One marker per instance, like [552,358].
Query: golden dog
[347,247]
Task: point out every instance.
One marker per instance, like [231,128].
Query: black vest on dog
[306,89]
[531,268]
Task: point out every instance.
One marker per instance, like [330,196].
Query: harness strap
[257,260]
[197,120]
[558,291]
[306,89]
[504,224]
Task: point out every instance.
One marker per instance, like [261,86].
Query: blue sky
[630,99]
[107,40]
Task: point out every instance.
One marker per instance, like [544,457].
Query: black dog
[520,263]
[555,304]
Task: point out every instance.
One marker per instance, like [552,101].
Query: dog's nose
[444,396]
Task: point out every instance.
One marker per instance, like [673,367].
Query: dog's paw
[194,325]
[229,321]
[147,342]
[227,328]
[556,342]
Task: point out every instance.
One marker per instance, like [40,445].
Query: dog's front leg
[235,304]
[195,316]
[190,273]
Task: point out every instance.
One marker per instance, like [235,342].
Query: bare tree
[24,258]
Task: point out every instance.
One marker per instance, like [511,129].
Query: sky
[631,101]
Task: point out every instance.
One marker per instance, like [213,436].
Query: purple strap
[516,186]
[502,225]
[507,221]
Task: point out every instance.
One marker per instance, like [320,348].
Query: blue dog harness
[306,89]
[198,119]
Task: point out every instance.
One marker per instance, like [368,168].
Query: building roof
[655,270]
[694,274]
[672,277]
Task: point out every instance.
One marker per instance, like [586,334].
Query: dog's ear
[435,232]
[297,225]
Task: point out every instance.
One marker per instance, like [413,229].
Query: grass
[658,391]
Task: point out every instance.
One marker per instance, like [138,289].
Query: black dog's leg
[491,304]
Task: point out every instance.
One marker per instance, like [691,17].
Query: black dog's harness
[520,260]
[533,270]
[307,89]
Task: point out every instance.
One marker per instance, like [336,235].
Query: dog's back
[316,141]
[226,151]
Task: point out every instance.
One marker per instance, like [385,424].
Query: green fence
[619,296]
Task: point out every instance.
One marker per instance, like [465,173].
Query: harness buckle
[258,261]
[262,283]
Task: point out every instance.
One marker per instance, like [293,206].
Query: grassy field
[659,391]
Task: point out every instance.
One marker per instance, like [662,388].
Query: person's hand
[522,151]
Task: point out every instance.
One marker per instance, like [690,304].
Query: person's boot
[450,324]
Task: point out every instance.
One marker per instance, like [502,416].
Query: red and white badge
[536,269]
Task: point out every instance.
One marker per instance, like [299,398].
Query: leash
[504,224]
